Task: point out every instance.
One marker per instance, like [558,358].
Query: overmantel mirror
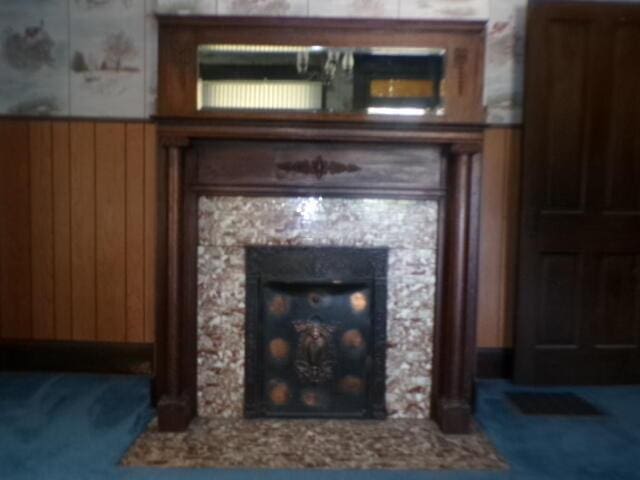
[376,81]
[424,72]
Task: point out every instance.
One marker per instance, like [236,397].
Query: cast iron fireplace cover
[315,332]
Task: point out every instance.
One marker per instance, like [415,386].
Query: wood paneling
[69,234]
[134,232]
[61,178]
[499,213]
[76,238]
[152,176]
[42,286]
[111,252]
[15,231]
[83,231]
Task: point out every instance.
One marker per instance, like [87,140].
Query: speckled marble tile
[317,221]
[228,224]
[317,444]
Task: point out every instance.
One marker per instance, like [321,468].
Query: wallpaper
[81,58]
[98,58]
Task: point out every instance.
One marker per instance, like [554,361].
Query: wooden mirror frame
[180,37]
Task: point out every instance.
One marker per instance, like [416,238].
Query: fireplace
[239,187]
[315,332]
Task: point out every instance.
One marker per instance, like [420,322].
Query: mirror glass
[375,81]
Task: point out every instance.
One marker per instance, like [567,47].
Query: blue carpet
[78,426]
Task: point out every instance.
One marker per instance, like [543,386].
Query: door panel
[579,258]
[616,312]
[568,63]
[559,300]
[622,168]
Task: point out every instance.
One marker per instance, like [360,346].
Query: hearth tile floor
[63,426]
[398,444]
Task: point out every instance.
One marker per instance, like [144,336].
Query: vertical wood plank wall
[498,230]
[77,230]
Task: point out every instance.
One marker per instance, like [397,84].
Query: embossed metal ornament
[279,349]
[318,167]
[315,356]
[351,385]
[279,393]
[359,302]
[279,306]
[352,339]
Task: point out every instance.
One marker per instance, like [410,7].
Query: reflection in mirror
[377,81]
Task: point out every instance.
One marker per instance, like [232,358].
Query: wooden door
[578,306]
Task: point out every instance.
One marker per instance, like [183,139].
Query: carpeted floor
[58,427]
[396,444]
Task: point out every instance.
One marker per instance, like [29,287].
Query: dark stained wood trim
[71,118]
[354,192]
[473,26]
[175,403]
[455,350]
[387,133]
[85,357]
[494,363]
[189,361]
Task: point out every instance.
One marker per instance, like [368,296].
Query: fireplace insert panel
[316,332]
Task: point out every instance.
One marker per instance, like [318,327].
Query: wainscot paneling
[77,231]
[77,223]
[499,216]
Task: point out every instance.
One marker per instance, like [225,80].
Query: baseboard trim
[494,363]
[137,358]
[86,357]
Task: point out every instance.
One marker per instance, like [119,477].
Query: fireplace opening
[315,332]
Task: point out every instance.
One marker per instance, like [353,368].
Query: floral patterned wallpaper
[97,58]
[84,58]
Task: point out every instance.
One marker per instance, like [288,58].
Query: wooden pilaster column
[456,352]
[175,411]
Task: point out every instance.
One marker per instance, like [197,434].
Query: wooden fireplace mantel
[454,347]
[192,144]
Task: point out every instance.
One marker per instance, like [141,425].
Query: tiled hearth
[409,228]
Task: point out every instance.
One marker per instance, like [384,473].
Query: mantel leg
[453,394]
[174,409]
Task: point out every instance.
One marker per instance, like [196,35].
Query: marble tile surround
[227,224]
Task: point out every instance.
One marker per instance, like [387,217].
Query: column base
[453,416]
[174,414]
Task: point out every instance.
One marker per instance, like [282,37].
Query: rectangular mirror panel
[396,81]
